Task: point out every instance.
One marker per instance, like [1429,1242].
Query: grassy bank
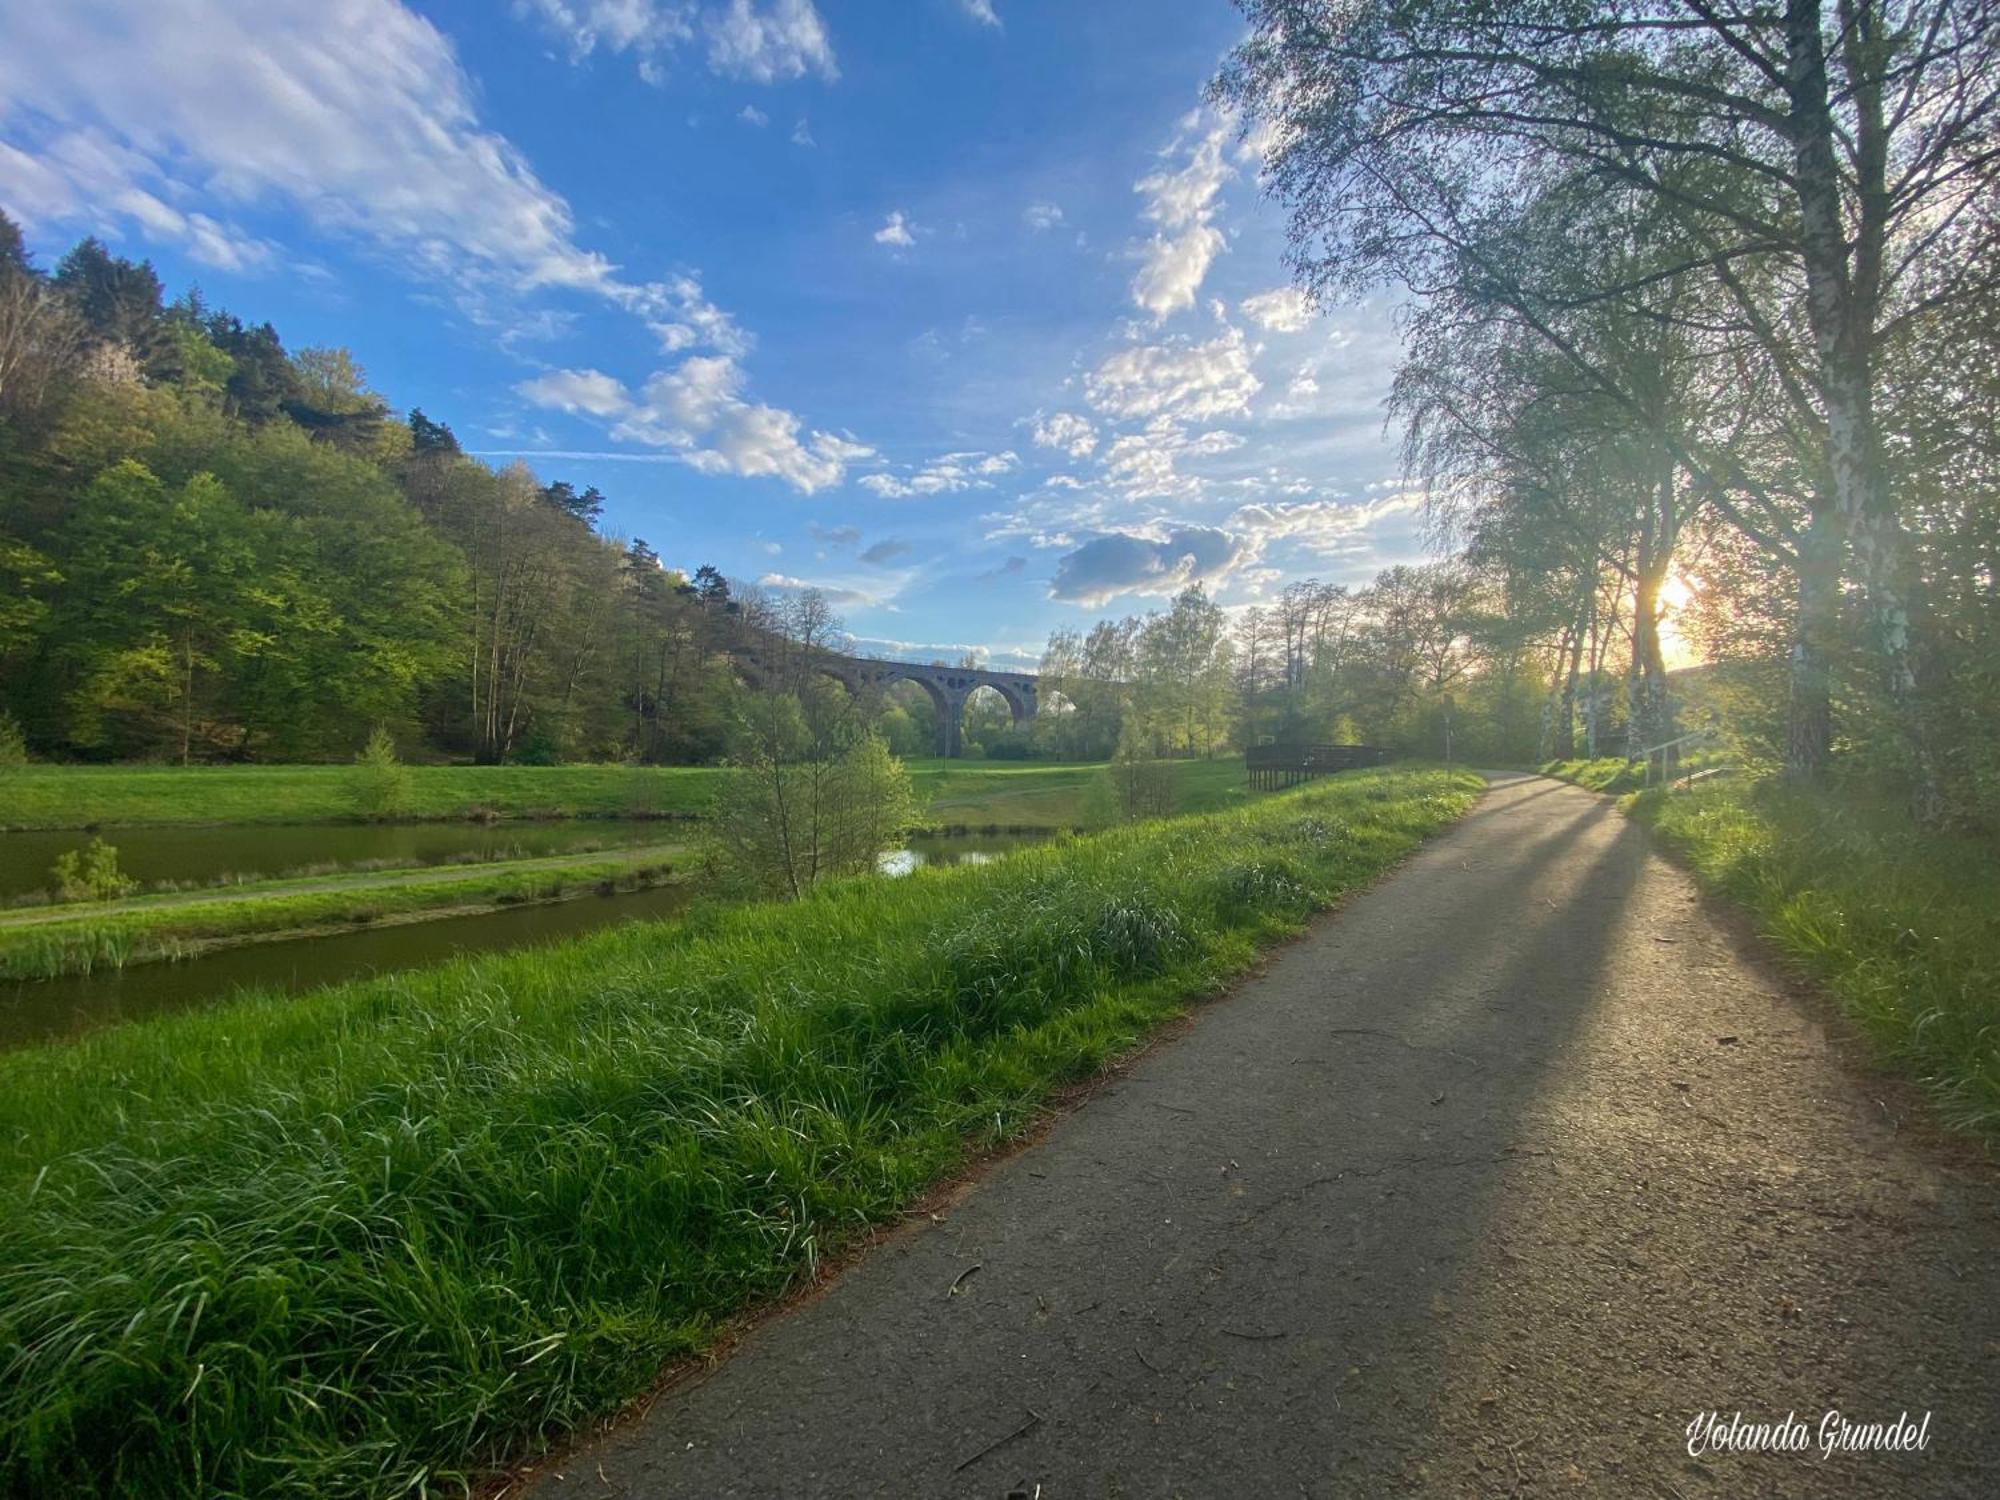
[86,796]
[973,794]
[372,1239]
[1900,924]
[43,943]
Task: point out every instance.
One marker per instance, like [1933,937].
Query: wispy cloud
[769,42]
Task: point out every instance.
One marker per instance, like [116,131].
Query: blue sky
[966,311]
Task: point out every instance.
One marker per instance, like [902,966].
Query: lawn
[44,942]
[974,794]
[1901,924]
[376,1239]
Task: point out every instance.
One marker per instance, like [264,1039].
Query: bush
[381,782]
[13,744]
[1140,785]
[780,826]
[90,874]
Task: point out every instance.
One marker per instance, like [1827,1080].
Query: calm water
[53,1008]
[200,855]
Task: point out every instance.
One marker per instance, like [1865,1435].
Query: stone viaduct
[948,687]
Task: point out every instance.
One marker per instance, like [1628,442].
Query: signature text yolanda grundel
[1717,1432]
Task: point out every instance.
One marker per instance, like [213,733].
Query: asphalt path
[1491,1185]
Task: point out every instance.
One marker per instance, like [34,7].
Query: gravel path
[1487,1186]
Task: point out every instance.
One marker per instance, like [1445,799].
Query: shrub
[13,744]
[381,782]
[90,874]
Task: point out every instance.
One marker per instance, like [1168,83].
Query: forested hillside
[213,547]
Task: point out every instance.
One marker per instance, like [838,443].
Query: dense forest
[213,547]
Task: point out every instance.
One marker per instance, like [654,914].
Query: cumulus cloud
[802,133]
[895,231]
[1042,215]
[1066,432]
[752,115]
[1123,562]
[1282,309]
[1181,201]
[1166,556]
[765,43]
[1181,379]
[697,410]
[980,11]
[947,475]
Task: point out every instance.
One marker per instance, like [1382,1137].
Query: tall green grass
[1900,923]
[372,1240]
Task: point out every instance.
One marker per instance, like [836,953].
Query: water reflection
[201,856]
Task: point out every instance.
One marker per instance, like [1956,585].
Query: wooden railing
[1272,767]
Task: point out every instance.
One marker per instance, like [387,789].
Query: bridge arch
[948,688]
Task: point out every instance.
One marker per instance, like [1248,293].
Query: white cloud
[839,595]
[357,114]
[1067,432]
[698,410]
[1282,309]
[895,231]
[681,317]
[947,475]
[980,11]
[1042,215]
[786,39]
[1181,201]
[642,26]
[1179,379]
[1145,463]
[802,133]
[767,43]
[752,115]
[574,391]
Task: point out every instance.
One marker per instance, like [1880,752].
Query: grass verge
[375,1239]
[1612,773]
[46,942]
[972,794]
[1898,922]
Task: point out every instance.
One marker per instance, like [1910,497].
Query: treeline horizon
[218,549]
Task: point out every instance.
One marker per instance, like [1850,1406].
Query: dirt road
[1489,1185]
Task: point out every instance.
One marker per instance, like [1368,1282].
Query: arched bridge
[948,687]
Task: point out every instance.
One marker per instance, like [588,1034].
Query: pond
[203,856]
[48,1009]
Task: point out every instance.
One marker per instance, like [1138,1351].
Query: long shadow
[1178,1280]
